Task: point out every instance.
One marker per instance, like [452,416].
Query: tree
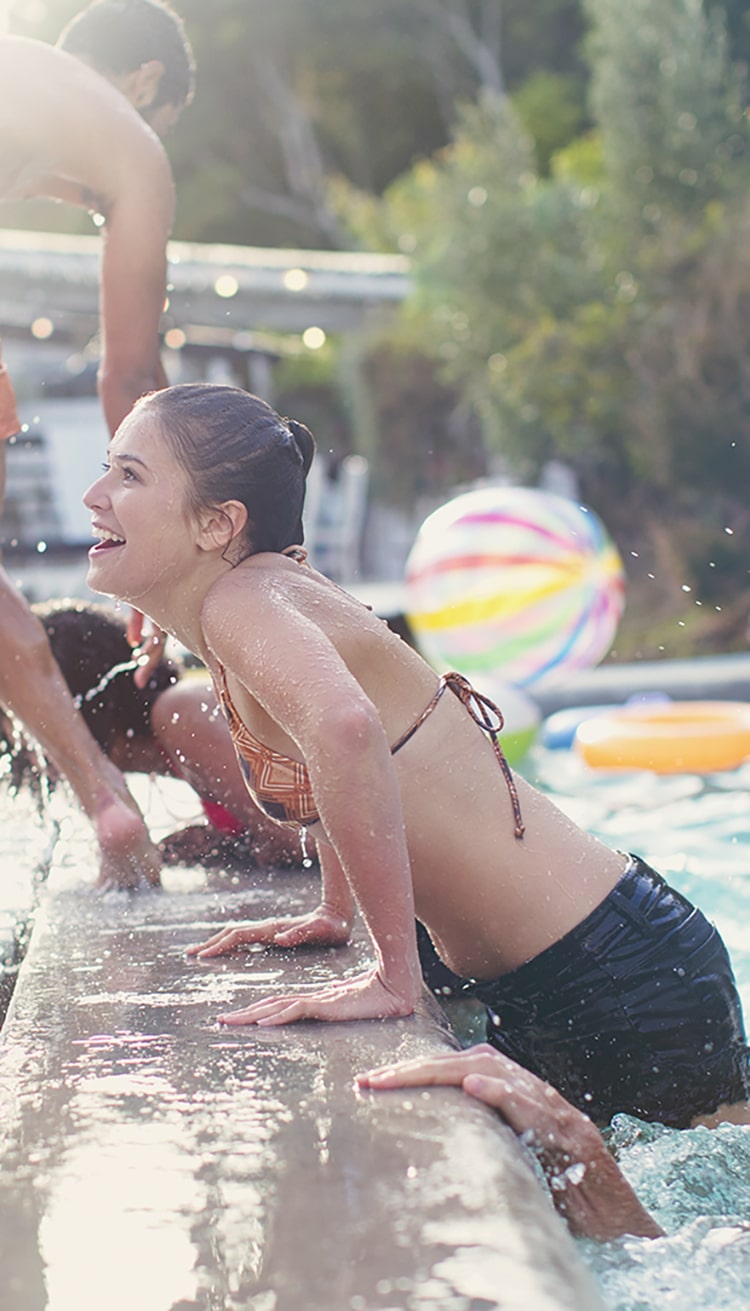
[675,144]
[601,313]
[293,95]
[669,107]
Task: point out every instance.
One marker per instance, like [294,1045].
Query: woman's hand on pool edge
[588,1188]
[364,997]
[320,928]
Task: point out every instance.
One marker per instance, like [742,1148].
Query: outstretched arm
[133,278]
[131,302]
[33,688]
[588,1188]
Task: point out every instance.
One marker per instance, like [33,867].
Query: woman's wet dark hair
[88,641]
[118,36]
[235,447]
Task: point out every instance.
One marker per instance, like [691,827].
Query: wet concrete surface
[153,1161]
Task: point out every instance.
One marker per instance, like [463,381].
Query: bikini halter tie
[487,716]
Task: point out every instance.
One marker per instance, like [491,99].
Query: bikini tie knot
[489,718]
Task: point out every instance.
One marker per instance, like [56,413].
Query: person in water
[81,123]
[170,726]
[596,975]
[587,1185]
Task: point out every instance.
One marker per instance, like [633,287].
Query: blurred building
[231,312]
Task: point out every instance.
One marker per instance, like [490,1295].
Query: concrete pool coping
[721,677]
[152,1161]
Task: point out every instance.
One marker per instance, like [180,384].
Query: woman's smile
[138,515]
[107,539]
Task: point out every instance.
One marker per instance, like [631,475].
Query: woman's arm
[587,1186]
[331,922]
[289,667]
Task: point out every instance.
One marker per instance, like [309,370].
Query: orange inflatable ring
[674,737]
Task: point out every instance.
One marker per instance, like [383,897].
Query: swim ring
[679,737]
[558,730]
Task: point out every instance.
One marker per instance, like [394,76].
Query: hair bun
[304,441]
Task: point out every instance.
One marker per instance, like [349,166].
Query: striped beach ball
[516,582]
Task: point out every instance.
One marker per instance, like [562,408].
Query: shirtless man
[89,135]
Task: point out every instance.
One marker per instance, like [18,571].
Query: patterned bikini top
[281,786]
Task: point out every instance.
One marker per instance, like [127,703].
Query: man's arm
[133,281]
[81,141]
[33,688]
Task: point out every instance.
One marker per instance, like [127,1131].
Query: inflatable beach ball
[516,582]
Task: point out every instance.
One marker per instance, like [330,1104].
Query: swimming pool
[696,831]
[697,1182]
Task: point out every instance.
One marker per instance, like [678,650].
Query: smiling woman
[139,519]
[596,975]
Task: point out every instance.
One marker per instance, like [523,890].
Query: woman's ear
[221,526]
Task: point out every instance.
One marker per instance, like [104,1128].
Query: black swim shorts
[636,1009]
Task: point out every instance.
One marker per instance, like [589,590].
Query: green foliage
[427,440]
[505,246]
[581,162]
[541,34]
[509,259]
[600,314]
[668,105]
[736,17]
[551,108]
[306,386]
[560,393]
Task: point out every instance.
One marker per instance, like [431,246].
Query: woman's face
[141,514]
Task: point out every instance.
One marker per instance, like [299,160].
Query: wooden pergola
[241,307]
[220,296]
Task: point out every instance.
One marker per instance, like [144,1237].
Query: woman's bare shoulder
[248,607]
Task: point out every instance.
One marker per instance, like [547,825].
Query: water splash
[307,860]
[103,684]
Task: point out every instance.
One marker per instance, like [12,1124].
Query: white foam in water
[695,831]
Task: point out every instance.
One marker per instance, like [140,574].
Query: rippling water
[696,1182]
[695,831]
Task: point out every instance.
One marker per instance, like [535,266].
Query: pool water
[695,831]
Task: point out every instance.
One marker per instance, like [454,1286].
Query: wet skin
[316,676]
[79,138]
